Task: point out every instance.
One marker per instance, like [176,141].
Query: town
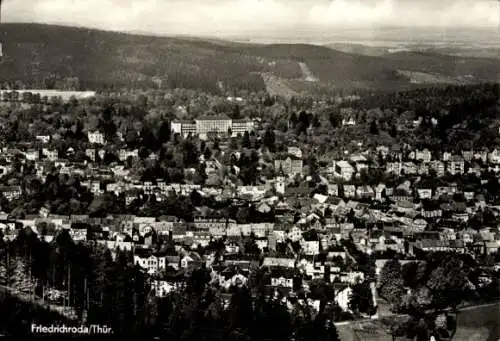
[372,208]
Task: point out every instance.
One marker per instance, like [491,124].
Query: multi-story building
[183,128]
[344,169]
[456,165]
[95,137]
[216,125]
[239,127]
[290,165]
[153,264]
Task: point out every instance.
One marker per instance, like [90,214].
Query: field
[474,324]
[481,324]
[41,55]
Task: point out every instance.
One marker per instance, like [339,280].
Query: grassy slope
[100,58]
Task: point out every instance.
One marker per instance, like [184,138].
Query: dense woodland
[46,56]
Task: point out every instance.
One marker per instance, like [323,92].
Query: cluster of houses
[301,243]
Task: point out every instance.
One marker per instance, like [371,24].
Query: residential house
[424,193]
[96,137]
[349,191]
[343,169]
[423,155]
[50,154]
[32,155]
[394,168]
[272,262]
[456,165]
[379,191]
[11,192]
[282,278]
[152,263]
[365,192]
[438,167]
[291,166]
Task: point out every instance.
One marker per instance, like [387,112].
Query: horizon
[380,36]
[259,18]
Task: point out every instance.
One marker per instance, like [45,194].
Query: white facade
[95,137]
[152,263]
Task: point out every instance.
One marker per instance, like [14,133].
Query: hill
[44,55]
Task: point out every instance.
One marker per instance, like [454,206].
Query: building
[239,127]
[95,137]
[183,128]
[344,169]
[151,263]
[290,166]
[456,165]
[212,125]
[217,125]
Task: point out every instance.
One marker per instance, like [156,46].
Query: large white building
[96,137]
[216,125]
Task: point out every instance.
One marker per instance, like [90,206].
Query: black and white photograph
[250,170]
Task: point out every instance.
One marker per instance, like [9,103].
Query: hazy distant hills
[36,54]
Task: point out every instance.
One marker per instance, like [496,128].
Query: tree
[373,128]
[361,300]
[335,118]
[448,281]
[269,140]
[391,286]
[245,143]
[316,122]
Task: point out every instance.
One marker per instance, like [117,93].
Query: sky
[240,17]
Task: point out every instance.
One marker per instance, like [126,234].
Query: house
[153,264]
[432,245]
[379,191]
[333,190]
[343,169]
[291,166]
[90,153]
[409,168]
[32,155]
[423,155]
[124,154]
[348,121]
[494,156]
[349,191]
[232,278]
[11,192]
[352,277]
[310,247]
[278,262]
[394,168]
[43,138]
[50,154]
[282,278]
[438,167]
[456,165]
[365,192]
[162,288]
[446,156]
[295,151]
[424,193]
[96,137]
[342,296]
